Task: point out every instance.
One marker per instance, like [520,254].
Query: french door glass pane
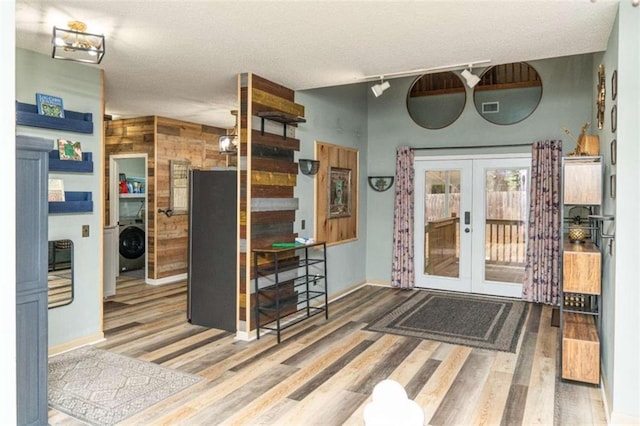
[505,236]
[442,218]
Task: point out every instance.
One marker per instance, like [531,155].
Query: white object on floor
[390,406]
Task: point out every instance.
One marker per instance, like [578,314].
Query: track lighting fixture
[379,88]
[470,78]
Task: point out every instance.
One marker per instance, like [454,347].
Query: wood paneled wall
[163,139]
[335,230]
[267,176]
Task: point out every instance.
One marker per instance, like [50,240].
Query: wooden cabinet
[580,348]
[31,279]
[286,285]
[580,302]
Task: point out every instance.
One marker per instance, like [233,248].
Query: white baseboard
[246,336]
[623,419]
[167,280]
[74,344]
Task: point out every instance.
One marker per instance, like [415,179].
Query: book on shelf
[49,105]
[56,190]
[69,150]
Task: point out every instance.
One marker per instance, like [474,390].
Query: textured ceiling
[180,59]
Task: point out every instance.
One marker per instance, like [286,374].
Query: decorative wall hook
[168,212]
[380,183]
[308,167]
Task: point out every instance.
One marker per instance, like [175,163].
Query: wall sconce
[308,167]
[75,44]
[380,183]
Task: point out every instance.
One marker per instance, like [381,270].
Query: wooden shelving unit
[75,202]
[73,121]
[58,165]
[286,285]
[580,302]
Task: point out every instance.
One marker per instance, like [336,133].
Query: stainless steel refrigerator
[212,293]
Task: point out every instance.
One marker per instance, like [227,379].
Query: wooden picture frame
[339,193]
[336,193]
[614,85]
[179,181]
[614,119]
[614,152]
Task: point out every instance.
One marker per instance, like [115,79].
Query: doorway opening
[128,215]
[470,222]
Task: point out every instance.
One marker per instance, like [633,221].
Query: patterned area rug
[104,388]
[462,319]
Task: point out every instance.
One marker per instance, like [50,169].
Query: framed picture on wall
[339,192]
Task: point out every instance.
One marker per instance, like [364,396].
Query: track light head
[379,88]
[470,78]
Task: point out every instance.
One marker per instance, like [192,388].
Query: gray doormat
[462,319]
[104,388]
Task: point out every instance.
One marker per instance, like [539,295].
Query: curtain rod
[473,146]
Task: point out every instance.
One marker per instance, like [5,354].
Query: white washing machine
[132,244]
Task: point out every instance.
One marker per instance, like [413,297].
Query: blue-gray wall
[336,115]
[625,404]
[566,102]
[80,88]
[609,59]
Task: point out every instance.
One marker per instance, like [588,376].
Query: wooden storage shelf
[280,117]
[582,181]
[75,202]
[286,302]
[581,268]
[73,121]
[580,348]
[71,166]
[580,300]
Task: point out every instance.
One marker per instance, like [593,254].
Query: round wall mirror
[436,100]
[508,93]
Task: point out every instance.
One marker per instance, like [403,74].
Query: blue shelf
[78,122]
[76,202]
[58,165]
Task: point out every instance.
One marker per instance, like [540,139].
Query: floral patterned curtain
[402,273]
[542,270]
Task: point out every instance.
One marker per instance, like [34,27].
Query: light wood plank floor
[323,372]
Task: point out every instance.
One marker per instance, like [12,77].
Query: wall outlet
[85,230]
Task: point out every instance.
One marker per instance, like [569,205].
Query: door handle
[467,218]
[467,230]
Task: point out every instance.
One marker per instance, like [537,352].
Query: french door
[470,224]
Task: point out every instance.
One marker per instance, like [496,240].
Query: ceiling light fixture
[422,71]
[470,78]
[379,88]
[75,44]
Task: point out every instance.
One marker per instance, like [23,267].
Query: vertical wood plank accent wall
[163,139]
[339,229]
[267,177]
